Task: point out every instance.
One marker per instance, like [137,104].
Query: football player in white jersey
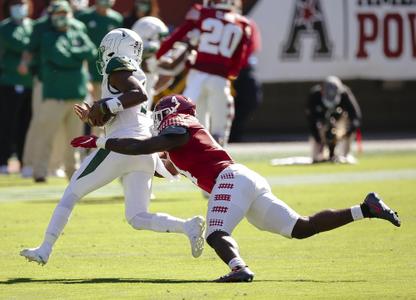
[123,87]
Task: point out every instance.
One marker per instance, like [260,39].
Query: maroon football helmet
[170,105]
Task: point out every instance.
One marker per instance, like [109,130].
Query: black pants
[15,115]
[248,98]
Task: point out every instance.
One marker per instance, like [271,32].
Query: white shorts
[213,99]
[240,192]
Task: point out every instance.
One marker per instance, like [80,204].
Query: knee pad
[159,222]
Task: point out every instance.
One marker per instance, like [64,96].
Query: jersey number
[219,38]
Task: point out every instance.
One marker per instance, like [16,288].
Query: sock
[158,222]
[236,263]
[167,223]
[356,213]
[56,225]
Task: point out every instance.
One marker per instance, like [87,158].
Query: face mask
[60,21]
[19,11]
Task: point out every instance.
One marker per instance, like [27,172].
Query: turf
[101,257]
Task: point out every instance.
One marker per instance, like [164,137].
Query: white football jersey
[133,122]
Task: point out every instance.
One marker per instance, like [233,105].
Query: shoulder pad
[120,64]
[194,13]
[177,130]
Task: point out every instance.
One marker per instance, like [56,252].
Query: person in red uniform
[222,39]
[235,190]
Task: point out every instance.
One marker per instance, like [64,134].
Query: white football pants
[240,192]
[100,168]
[214,102]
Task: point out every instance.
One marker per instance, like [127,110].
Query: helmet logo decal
[176,102]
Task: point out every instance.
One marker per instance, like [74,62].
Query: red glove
[85,141]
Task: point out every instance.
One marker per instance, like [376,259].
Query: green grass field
[101,257]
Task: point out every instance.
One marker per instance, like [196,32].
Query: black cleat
[238,275]
[378,209]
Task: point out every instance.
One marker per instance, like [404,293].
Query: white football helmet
[152,30]
[221,4]
[117,43]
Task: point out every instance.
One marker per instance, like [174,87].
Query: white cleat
[194,229]
[36,254]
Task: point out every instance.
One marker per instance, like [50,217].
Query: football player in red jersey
[222,39]
[235,191]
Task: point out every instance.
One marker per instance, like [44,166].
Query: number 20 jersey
[201,159]
[224,40]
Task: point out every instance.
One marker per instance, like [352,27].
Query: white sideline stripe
[303,148]
[37,193]
[344,177]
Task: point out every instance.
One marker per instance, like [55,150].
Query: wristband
[114,105]
[100,142]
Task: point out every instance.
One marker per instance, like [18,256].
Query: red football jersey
[201,159]
[224,41]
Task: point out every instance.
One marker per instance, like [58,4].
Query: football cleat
[237,275]
[38,255]
[378,209]
[194,229]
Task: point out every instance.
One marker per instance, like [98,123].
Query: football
[107,116]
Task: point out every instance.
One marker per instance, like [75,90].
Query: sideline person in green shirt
[15,89]
[63,51]
[31,62]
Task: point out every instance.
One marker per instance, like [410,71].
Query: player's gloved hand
[85,141]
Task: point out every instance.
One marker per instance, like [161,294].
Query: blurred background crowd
[39,37]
